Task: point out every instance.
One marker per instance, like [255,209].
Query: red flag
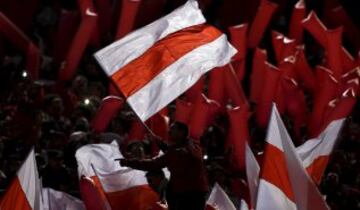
[234,89]
[202,115]
[262,18]
[66,29]
[183,110]
[277,40]
[342,106]
[317,29]
[107,111]
[295,28]
[21,13]
[258,74]
[238,40]
[304,71]
[104,9]
[80,41]
[339,17]
[334,40]
[12,33]
[195,91]
[268,93]
[216,86]
[159,124]
[137,132]
[127,18]
[327,91]
[238,134]
[295,105]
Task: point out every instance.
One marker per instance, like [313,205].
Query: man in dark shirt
[187,186]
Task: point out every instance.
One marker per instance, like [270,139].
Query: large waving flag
[315,152]
[284,183]
[24,193]
[218,200]
[56,200]
[124,188]
[155,64]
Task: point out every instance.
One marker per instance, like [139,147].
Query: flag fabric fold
[24,191]
[124,188]
[56,200]
[219,200]
[315,153]
[284,183]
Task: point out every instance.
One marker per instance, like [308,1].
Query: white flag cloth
[243,205]
[284,183]
[25,190]
[219,200]
[155,64]
[124,188]
[252,174]
[315,153]
[56,200]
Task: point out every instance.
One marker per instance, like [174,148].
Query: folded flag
[24,193]
[243,205]
[284,183]
[219,200]
[56,200]
[315,152]
[155,64]
[252,174]
[124,188]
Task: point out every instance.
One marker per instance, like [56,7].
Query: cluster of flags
[288,176]
[113,186]
[26,192]
[154,65]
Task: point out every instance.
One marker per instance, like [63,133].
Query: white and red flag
[252,174]
[155,64]
[315,153]
[24,193]
[218,200]
[57,200]
[284,183]
[124,188]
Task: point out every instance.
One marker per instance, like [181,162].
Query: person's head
[179,132]
[154,178]
[135,150]
[80,85]
[55,159]
[56,106]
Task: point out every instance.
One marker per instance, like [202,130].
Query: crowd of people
[54,118]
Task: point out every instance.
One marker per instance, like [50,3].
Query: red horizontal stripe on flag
[143,69]
[15,197]
[275,171]
[317,168]
[135,198]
